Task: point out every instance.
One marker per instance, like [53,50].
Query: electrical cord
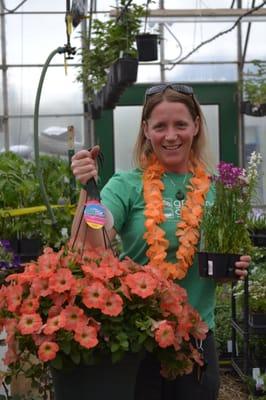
[14,9]
[216,36]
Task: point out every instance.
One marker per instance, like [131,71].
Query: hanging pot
[126,70]
[147,45]
[254,110]
[257,320]
[29,249]
[258,237]
[110,96]
[95,112]
[98,382]
[217,265]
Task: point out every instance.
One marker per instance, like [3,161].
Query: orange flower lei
[187,227]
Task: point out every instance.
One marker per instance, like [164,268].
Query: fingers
[84,165]
[95,152]
[242,266]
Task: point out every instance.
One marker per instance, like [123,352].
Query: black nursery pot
[98,382]
[30,249]
[257,320]
[254,110]
[127,70]
[258,237]
[217,265]
[147,45]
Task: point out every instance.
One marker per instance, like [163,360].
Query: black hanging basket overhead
[254,110]
[147,45]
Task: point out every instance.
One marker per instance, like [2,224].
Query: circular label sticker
[94,214]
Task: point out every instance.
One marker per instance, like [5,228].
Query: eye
[158,127]
[181,125]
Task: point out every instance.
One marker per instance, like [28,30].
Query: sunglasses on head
[184,89]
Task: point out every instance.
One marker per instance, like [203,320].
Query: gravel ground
[232,387]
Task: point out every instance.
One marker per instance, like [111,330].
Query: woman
[147,203]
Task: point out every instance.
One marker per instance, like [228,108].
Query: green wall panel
[223,94]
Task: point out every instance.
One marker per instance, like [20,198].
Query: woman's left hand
[241,266]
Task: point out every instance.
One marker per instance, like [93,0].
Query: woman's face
[171,130]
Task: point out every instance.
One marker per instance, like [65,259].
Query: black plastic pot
[26,249]
[29,249]
[258,237]
[257,320]
[110,96]
[127,70]
[217,266]
[147,45]
[95,112]
[254,110]
[98,382]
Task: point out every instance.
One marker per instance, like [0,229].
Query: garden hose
[59,50]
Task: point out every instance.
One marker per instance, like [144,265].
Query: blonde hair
[199,150]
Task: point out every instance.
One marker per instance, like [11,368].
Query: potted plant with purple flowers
[9,262]
[225,222]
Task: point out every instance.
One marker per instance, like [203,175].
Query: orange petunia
[87,337]
[93,296]
[113,305]
[141,284]
[40,287]
[29,305]
[53,324]
[62,280]
[73,316]
[29,323]
[165,335]
[13,295]
[47,351]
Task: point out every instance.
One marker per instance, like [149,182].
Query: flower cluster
[69,307]
[229,175]
[225,222]
[8,259]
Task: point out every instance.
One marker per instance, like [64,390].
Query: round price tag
[94,214]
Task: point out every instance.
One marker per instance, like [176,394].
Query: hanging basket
[126,70]
[217,266]
[147,45]
[99,382]
[257,320]
[254,110]
[258,237]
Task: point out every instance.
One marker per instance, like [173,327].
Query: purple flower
[5,244]
[229,175]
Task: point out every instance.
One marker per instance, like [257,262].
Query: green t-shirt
[123,196]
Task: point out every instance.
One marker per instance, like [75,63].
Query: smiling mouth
[171,148]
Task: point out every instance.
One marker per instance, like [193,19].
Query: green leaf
[75,356]
[57,362]
[65,347]
[117,356]
[115,347]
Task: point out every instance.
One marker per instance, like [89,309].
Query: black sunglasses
[184,89]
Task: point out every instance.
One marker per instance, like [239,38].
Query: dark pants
[150,385]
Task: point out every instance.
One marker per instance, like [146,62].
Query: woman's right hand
[84,164]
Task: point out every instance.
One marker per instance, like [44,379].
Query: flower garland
[187,227]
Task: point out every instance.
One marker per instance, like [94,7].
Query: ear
[197,125]
[145,129]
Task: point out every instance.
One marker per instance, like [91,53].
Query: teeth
[172,147]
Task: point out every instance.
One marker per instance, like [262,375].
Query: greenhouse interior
[132,135]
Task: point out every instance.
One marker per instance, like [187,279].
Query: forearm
[82,236]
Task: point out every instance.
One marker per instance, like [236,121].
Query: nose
[171,134]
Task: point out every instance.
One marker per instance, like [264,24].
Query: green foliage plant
[109,39]
[254,83]
[19,188]
[225,222]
